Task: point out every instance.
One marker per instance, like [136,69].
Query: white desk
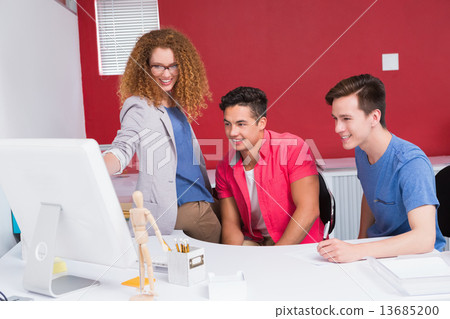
[271,274]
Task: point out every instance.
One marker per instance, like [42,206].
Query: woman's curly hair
[191,88]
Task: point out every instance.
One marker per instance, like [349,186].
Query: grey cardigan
[147,130]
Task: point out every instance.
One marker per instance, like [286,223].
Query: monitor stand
[38,276]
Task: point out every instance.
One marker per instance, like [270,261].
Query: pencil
[325,230]
[176,244]
[168,247]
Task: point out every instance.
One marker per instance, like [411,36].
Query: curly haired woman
[163,85]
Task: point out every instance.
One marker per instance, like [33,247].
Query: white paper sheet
[417,267]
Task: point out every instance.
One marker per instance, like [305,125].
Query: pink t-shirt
[284,159]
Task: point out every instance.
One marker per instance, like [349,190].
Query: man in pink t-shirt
[267,185]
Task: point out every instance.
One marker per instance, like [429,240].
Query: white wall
[40,79]
[40,71]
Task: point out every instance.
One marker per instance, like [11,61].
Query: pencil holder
[187,268]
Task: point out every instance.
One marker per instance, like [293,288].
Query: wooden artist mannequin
[139,217]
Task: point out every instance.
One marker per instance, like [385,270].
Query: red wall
[270,44]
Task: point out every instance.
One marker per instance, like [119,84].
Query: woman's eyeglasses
[160,69]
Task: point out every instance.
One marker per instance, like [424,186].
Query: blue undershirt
[189,180]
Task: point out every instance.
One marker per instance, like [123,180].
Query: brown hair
[369,90]
[191,88]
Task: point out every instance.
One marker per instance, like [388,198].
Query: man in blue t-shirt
[398,182]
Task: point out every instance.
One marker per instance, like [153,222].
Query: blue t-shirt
[401,180]
[189,180]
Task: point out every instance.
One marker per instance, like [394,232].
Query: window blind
[119,24]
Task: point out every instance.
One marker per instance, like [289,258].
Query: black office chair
[327,205]
[443,195]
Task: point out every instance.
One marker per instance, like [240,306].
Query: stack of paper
[415,275]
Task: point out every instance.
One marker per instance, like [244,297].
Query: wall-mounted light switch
[390,61]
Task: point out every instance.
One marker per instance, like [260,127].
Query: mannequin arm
[152,222]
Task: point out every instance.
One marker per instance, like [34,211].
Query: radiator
[347,193]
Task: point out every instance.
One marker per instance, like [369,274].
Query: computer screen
[63,199]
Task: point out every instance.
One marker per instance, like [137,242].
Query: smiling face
[351,123]
[241,128]
[164,57]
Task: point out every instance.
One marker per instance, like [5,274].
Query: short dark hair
[254,98]
[369,90]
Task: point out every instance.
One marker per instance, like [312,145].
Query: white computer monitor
[63,199]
